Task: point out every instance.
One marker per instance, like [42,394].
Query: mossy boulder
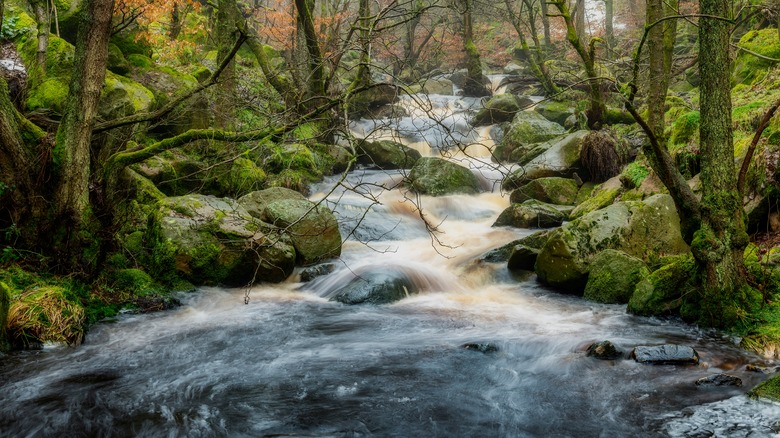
[749,68]
[116,61]
[135,281]
[45,313]
[522,258]
[535,240]
[166,83]
[386,155]
[561,160]
[370,100]
[601,196]
[438,177]
[530,214]
[175,173]
[685,128]
[613,277]
[312,228]
[377,287]
[560,191]
[255,203]
[554,111]
[242,177]
[209,240]
[661,292]
[640,229]
[122,96]
[528,128]
[768,390]
[438,86]
[500,108]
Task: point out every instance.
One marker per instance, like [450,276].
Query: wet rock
[482,347]
[522,258]
[671,354]
[531,214]
[599,197]
[561,159]
[376,288]
[438,177]
[255,203]
[312,272]
[500,108]
[556,112]
[761,369]
[636,228]
[502,254]
[604,350]
[660,292]
[613,277]
[526,130]
[438,86]
[560,191]
[366,102]
[719,380]
[312,228]
[387,155]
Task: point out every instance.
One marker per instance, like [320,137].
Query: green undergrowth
[46,308]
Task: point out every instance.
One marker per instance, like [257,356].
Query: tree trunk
[546,23]
[44,24]
[579,21]
[316,77]
[72,150]
[227,33]
[609,13]
[474,86]
[534,58]
[176,22]
[363,77]
[719,244]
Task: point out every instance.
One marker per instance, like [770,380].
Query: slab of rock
[522,258]
[604,350]
[670,354]
[531,214]
[387,155]
[560,191]
[719,380]
[438,177]
[561,159]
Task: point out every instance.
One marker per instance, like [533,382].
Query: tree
[474,85]
[533,56]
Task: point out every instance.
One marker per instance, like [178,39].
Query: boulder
[502,254]
[640,229]
[604,350]
[243,176]
[438,177]
[438,86]
[527,128]
[768,390]
[482,347]
[500,108]
[312,228]
[601,196]
[209,240]
[613,277]
[376,287]
[369,100]
[174,173]
[386,155]
[669,354]
[256,202]
[559,191]
[116,61]
[561,159]
[522,258]
[556,112]
[719,380]
[530,214]
[312,272]
[660,293]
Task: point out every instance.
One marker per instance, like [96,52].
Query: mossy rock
[51,94]
[441,86]
[243,177]
[438,177]
[640,229]
[561,159]
[209,240]
[749,68]
[116,60]
[767,390]
[46,314]
[122,96]
[530,214]
[175,173]
[130,45]
[535,240]
[500,108]
[143,62]
[256,202]
[554,111]
[613,277]
[522,258]
[560,191]
[528,128]
[386,155]
[685,128]
[135,281]
[634,174]
[661,292]
[312,228]
[600,197]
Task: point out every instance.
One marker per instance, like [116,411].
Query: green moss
[661,292]
[599,199]
[135,281]
[130,45]
[636,172]
[5,301]
[613,277]
[46,314]
[141,61]
[685,128]
[51,94]
[243,177]
[769,390]
[748,68]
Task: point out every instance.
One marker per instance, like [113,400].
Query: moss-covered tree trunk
[41,8]
[533,56]
[363,76]
[474,85]
[72,149]
[609,14]
[316,77]
[227,34]
[719,244]
[546,23]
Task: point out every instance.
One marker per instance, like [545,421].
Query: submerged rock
[315,271]
[502,254]
[719,380]
[482,347]
[376,288]
[438,177]
[670,354]
[604,350]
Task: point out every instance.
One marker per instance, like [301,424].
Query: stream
[293,363]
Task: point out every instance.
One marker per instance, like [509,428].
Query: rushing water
[293,363]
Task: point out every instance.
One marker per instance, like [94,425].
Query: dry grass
[44,314]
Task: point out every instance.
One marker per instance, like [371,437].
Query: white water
[292,363]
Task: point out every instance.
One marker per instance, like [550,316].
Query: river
[293,363]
